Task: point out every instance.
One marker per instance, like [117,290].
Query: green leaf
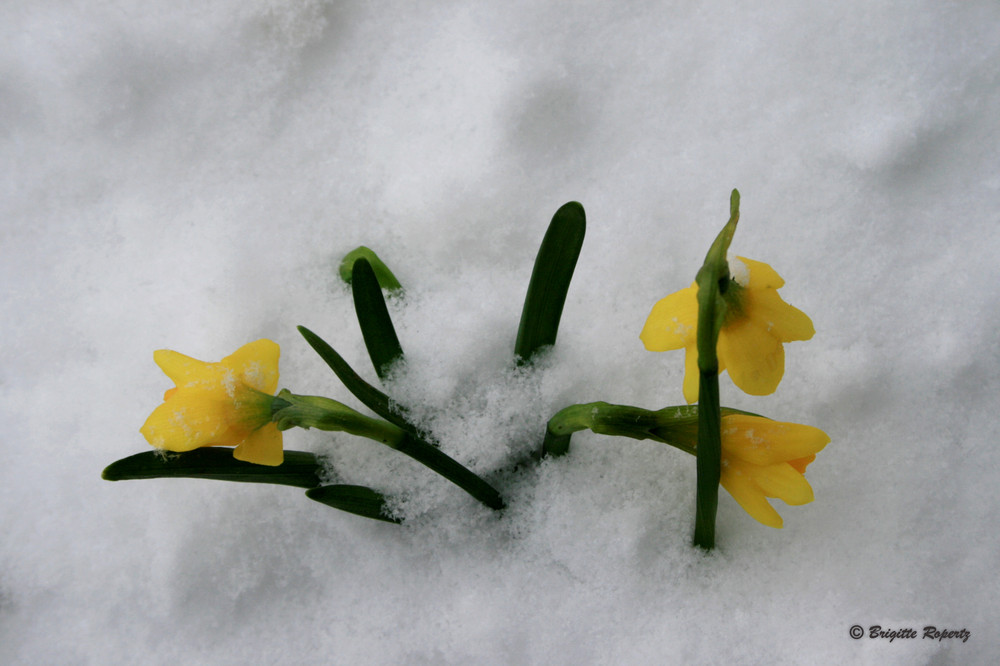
[451,469]
[550,278]
[370,396]
[300,469]
[358,500]
[373,316]
[382,273]
[412,445]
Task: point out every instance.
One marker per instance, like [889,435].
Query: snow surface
[187,175]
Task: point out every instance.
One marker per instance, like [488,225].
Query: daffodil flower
[763,458]
[219,404]
[760,458]
[756,324]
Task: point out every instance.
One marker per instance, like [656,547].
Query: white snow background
[187,175]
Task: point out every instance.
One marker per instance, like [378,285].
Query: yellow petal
[262,447]
[762,276]
[773,314]
[783,482]
[692,375]
[256,364]
[188,420]
[739,484]
[761,441]
[673,321]
[180,368]
[755,358]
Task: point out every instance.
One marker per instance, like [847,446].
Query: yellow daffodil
[763,458]
[219,404]
[756,323]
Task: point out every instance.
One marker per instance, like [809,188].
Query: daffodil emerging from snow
[756,324]
[763,458]
[760,458]
[220,404]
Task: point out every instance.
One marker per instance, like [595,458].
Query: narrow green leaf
[414,445]
[385,277]
[452,470]
[373,316]
[370,396]
[300,469]
[358,500]
[550,278]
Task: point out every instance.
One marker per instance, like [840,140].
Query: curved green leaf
[550,278]
[373,317]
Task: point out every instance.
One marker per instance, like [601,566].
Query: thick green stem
[555,445]
[312,411]
[713,281]
[709,462]
[306,411]
[671,425]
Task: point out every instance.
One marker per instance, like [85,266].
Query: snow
[188,176]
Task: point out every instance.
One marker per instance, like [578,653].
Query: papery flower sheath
[220,404]
[757,323]
[763,458]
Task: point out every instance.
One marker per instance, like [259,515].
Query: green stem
[555,445]
[712,281]
[709,460]
[709,464]
[312,411]
[306,411]
[675,426]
